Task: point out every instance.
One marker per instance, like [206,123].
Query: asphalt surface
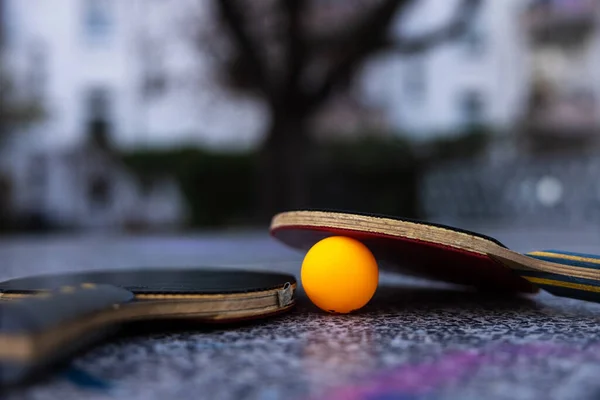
[415,340]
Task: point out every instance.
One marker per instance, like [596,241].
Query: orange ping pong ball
[339,274]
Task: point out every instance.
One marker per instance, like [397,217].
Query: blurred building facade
[137,62]
[88,187]
[78,60]
[133,61]
[564,51]
[481,79]
[553,176]
[131,71]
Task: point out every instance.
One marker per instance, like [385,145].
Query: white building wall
[497,73]
[194,111]
[73,63]
[198,112]
[571,67]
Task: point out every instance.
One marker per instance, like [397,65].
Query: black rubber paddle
[44,319]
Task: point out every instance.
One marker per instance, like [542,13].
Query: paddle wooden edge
[431,234]
[388,227]
[29,348]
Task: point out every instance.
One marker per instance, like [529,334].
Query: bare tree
[295,55]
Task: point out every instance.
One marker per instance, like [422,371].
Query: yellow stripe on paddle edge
[568,285]
[564,257]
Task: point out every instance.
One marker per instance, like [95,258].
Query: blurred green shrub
[378,175]
[218,187]
[221,188]
[370,175]
[471,142]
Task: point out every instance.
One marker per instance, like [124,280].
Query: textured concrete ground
[415,340]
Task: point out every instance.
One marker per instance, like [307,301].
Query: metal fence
[541,190]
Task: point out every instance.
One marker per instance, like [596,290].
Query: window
[37,170]
[98,19]
[153,76]
[98,103]
[474,43]
[99,192]
[472,107]
[37,71]
[474,40]
[415,84]
[98,118]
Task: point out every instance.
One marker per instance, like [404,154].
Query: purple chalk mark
[418,379]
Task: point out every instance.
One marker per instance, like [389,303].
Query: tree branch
[454,29]
[371,36]
[230,11]
[366,37]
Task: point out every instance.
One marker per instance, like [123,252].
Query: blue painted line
[83,379]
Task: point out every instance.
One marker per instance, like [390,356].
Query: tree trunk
[284,167]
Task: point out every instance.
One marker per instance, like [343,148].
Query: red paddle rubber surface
[418,258]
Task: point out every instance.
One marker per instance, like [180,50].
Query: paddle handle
[39,330]
[568,258]
[566,285]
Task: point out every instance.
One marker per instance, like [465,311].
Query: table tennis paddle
[47,318]
[446,253]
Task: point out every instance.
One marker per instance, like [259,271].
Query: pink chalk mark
[416,379]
